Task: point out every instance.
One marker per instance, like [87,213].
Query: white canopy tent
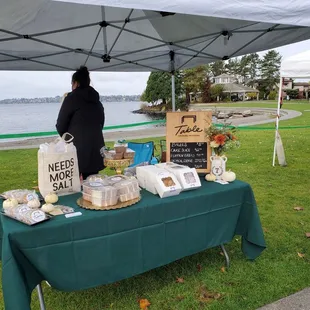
[115,35]
[297,67]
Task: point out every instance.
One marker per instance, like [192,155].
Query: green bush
[272,95]
[252,96]
[293,93]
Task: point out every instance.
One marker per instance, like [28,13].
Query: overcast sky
[49,84]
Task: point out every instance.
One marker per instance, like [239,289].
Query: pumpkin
[51,198]
[210,177]
[229,176]
[34,203]
[48,207]
[9,203]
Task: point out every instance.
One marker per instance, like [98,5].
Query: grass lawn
[278,272]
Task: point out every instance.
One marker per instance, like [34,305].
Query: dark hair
[81,76]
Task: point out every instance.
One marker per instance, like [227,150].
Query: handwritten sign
[192,154]
[186,141]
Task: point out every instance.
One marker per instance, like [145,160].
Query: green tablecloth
[101,247]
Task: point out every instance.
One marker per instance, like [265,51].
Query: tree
[206,91]
[270,71]
[253,65]
[218,68]
[233,66]
[216,91]
[143,97]
[194,80]
[158,87]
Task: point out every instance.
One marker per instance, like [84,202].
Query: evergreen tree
[158,87]
[270,71]
[218,68]
[194,80]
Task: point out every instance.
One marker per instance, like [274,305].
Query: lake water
[40,117]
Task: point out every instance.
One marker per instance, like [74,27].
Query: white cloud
[44,84]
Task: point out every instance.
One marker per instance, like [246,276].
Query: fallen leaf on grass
[199,267]
[221,253]
[301,255]
[180,280]
[206,296]
[298,208]
[223,269]
[144,304]
[307,234]
[179,298]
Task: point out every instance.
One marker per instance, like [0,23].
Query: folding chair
[144,152]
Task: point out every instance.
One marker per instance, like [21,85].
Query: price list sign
[186,141]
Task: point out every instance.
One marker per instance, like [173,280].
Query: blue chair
[144,152]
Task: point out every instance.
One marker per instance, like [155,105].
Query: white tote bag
[58,169]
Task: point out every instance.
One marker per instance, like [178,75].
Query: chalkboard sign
[186,139]
[191,154]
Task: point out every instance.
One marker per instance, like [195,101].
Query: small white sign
[221,182]
[73,214]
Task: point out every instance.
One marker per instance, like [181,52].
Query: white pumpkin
[34,203]
[229,176]
[51,198]
[9,203]
[48,207]
[210,177]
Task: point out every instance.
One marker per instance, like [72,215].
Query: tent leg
[41,298]
[173,91]
[277,121]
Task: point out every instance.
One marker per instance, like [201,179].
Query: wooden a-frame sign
[186,140]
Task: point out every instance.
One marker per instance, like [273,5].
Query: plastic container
[106,193]
[89,186]
[87,197]
[129,196]
[127,186]
[97,178]
[104,202]
[116,179]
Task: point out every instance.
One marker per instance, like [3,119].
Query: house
[226,78]
[302,87]
[233,87]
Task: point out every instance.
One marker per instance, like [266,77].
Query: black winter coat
[82,115]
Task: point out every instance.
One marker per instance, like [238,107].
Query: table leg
[226,255]
[41,298]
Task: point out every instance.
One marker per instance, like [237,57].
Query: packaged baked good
[129,196]
[119,156]
[18,211]
[33,217]
[89,186]
[114,155]
[129,154]
[104,193]
[21,195]
[120,146]
[105,202]
[127,186]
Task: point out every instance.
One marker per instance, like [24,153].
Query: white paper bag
[58,169]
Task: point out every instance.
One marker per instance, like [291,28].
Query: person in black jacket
[82,115]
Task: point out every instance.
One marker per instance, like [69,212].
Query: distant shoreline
[58,99]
